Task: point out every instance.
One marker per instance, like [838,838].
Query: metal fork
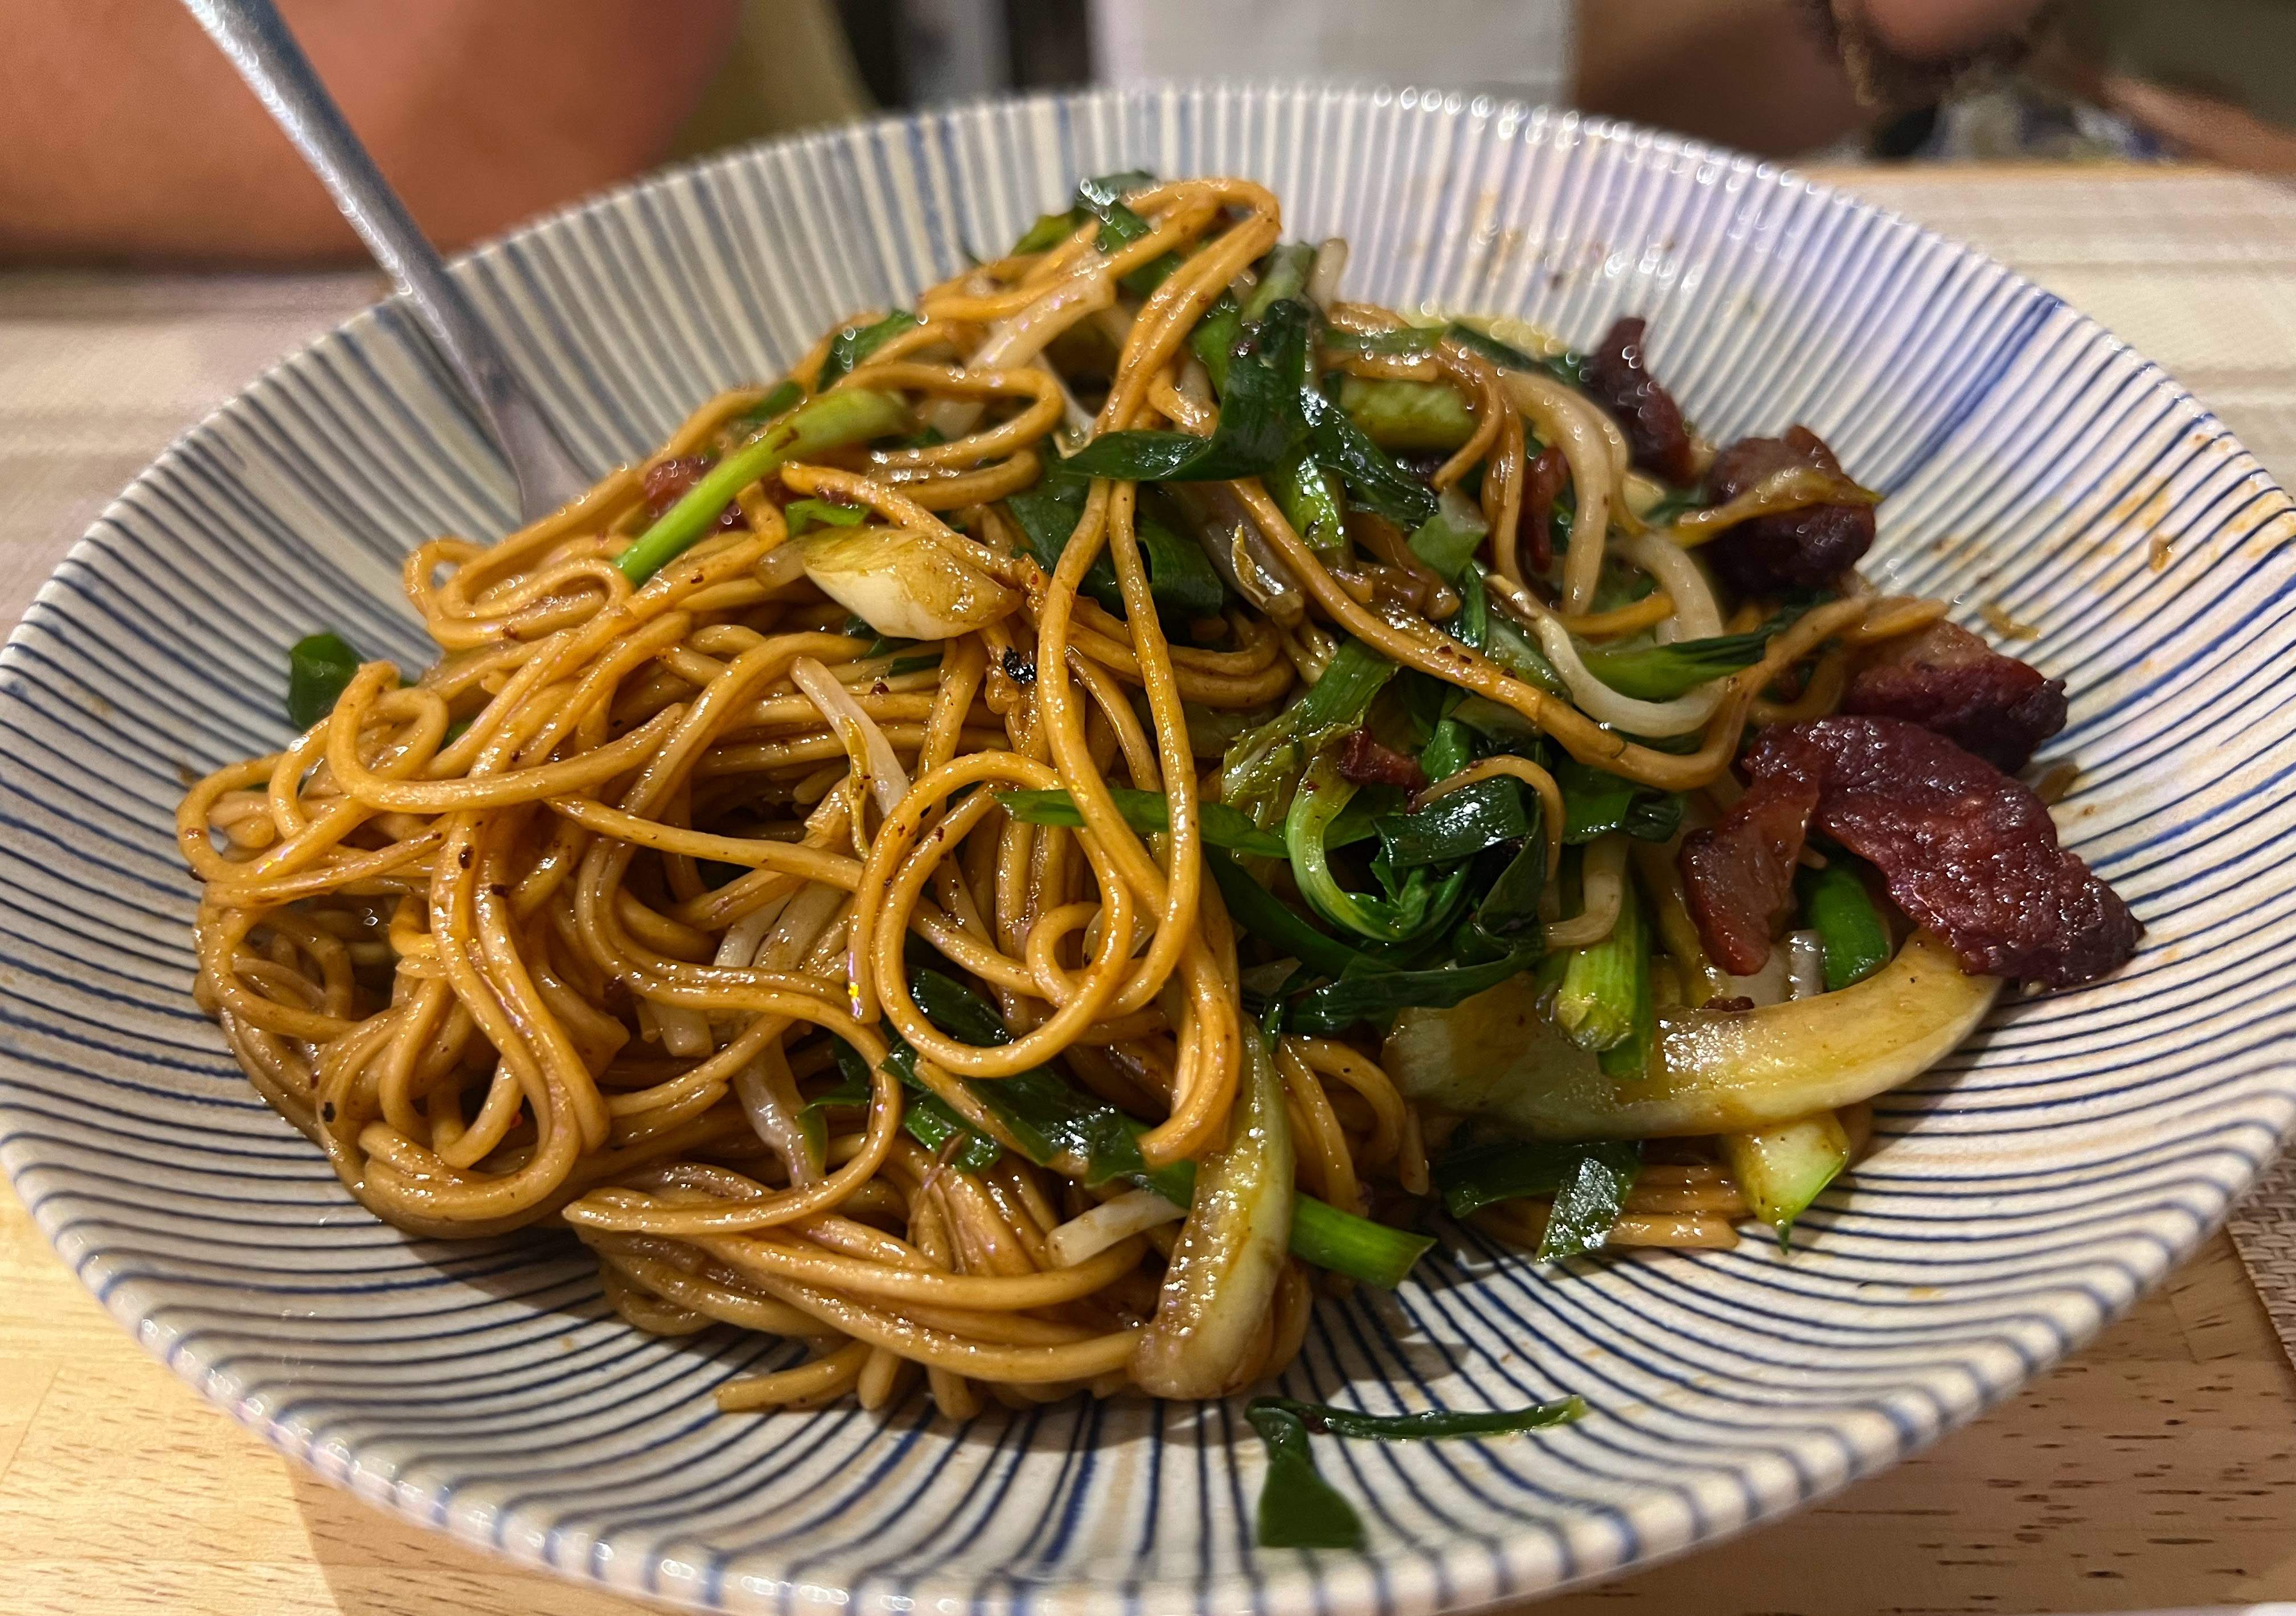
[257,40]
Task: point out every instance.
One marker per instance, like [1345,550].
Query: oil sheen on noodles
[667,903]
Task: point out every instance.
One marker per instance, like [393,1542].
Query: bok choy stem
[1220,1279]
[1058,1126]
[1840,909]
[1604,1002]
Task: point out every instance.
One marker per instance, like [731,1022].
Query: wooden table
[2158,1468]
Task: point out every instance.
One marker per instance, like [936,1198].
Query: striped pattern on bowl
[2025,1192]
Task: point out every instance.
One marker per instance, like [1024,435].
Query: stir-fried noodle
[818,888]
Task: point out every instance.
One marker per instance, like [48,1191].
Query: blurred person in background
[126,137]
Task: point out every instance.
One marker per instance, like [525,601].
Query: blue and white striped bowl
[2024,1192]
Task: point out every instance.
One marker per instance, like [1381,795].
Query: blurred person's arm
[1942,30]
[1762,74]
[126,136]
[1751,73]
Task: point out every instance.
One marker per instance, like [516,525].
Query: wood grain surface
[2156,1468]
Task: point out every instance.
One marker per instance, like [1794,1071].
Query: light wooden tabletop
[2157,1468]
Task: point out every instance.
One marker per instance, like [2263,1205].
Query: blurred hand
[1940,31]
[2202,127]
[126,136]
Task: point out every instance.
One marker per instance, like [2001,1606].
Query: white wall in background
[1520,47]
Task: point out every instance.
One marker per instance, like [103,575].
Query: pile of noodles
[570,926]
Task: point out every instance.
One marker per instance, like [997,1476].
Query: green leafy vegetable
[1147,812]
[1587,1184]
[1259,771]
[1282,274]
[1508,914]
[1049,230]
[1180,576]
[1103,198]
[1603,1004]
[1660,673]
[1298,1508]
[1596,802]
[833,421]
[1841,910]
[804,515]
[1262,422]
[1275,922]
[1047,516]
[1372,474]
[1513,649]
[1483,1172]
[1410,908]
[853,344]
[1305,494]
[1566,367]
[850,1091]
[1056,1125]
[1447,540]
[1428,1424]
[1458,825]
[1047,1119]
[1588,1203]
[784,397]
[320,668]
[1378,995]
[1471,624]
[1334,443]
[1447,751]
[926,1118]
[1407,414]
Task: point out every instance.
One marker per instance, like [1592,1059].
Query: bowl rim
[2164,1235]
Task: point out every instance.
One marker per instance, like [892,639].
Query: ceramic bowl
[2023,1193]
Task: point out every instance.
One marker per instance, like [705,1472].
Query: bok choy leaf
[1148,813]
[1854,937]
[1596,802]
[1298,1508]
[1262,422]
[1260,769]
[1458,825]
[320,667]
[1378,995]
[852,346]
[1427,1423]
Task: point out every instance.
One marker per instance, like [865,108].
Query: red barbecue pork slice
[1804,549]
[1543,482]
[1947,680]
[1620,382]
[1966,851]
[1739,875]
[1364,761]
